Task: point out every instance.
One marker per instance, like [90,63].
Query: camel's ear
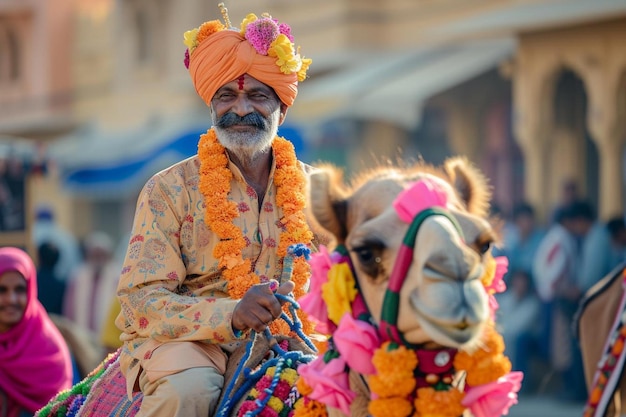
[329,200]
[470,184]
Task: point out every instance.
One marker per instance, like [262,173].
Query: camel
[437,334]
[431,224]
[600,324]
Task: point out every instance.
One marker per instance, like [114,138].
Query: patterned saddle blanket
[102,393]
[257,376]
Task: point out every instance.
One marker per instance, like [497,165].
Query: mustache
[250,119]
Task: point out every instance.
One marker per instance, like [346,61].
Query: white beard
[248,146]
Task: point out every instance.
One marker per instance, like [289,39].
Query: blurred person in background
[522,243]
[570,192]
[603,250]
[93,284]
[13,183]
[503,227]
[557,276]
[35,362]
[45,229]
[518,315]
[617,230]
[110,334]
[51,287]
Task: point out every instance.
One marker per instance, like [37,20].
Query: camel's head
[441,297]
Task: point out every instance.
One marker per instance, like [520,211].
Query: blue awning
[125,175]
[118,165]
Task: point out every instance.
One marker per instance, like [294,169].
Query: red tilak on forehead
[240,81]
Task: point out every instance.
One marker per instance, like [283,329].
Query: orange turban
[226,55]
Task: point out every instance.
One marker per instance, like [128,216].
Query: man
[603,250]
[46,228]
[557,275]
[522,245]
[617,230]
[211,232]
[91,288]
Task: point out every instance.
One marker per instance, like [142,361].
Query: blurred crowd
[551,266]
[77,280]
[58,305]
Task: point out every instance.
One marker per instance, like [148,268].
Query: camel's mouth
[451,335]
[451,313]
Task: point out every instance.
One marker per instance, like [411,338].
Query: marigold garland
[390,407]
[487,363]
[394,371]
[433,403]
[306,407]
[215,183]
[394,382]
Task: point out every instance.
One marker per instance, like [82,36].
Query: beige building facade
[532,92]
[570,96]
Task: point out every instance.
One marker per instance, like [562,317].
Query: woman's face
[13,299]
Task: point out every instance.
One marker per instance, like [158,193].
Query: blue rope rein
[281,359]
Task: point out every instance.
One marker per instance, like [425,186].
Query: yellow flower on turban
[190,39]
[282,48]
[306,62]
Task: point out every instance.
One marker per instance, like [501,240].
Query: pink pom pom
[261,33]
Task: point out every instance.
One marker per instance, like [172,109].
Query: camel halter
[388,327]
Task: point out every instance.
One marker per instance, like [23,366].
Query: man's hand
[259,306]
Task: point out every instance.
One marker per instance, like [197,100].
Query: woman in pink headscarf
[35,361]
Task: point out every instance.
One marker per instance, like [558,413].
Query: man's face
[525,223]
[13,299]
[246,114]
[581,226]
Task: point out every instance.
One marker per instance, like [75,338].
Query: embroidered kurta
[171,288]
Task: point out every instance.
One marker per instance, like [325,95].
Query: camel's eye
[366,255]
[484,247]
[484,243]
[369,257]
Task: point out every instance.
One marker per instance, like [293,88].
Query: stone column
[611,178]
[608,131]
[535,154]
[531,130]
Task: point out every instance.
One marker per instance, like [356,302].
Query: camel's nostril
[462,325]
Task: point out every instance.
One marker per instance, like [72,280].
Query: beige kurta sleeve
[170,288]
